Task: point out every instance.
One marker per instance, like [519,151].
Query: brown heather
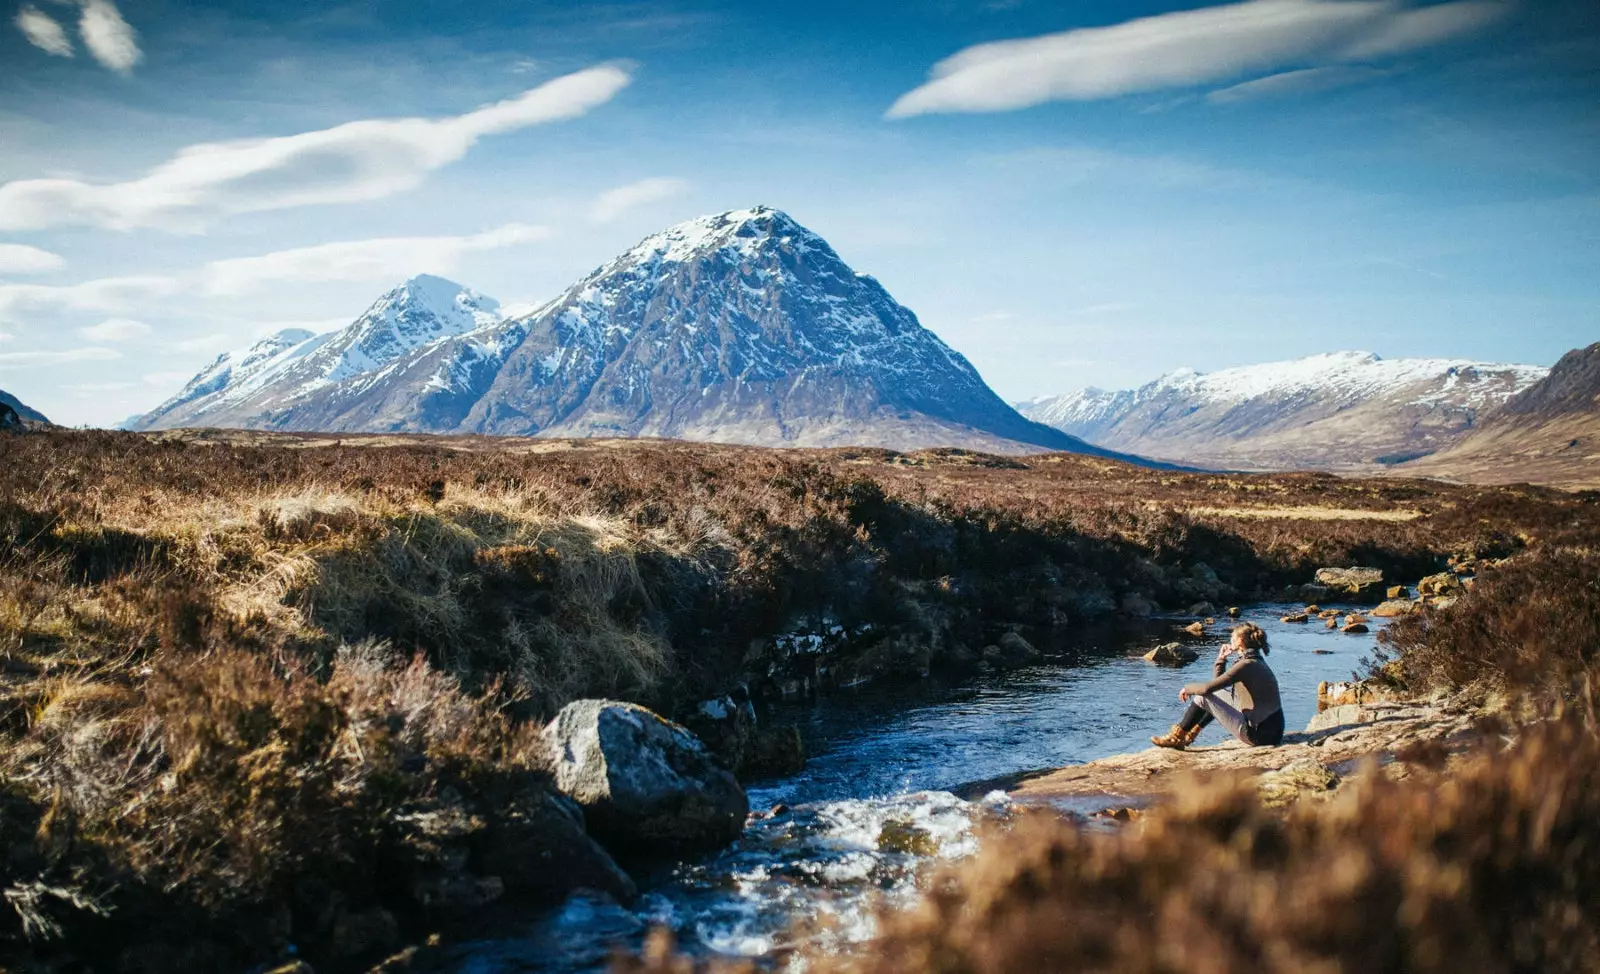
[1492,867]
[1530,627]
[232,662]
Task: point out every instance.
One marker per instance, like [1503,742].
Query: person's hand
[1183,695]
[1224,652]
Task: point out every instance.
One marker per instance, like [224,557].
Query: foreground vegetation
[1488,861]
[260,692]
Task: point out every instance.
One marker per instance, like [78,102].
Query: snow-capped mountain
[292,366]
[741,327]
[1548,433]
[1341,410]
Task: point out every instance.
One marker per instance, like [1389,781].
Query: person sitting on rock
[1243,697]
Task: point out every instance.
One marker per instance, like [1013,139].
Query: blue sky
[1069,193]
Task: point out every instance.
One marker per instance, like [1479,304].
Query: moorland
[247,675]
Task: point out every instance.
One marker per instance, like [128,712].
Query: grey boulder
[648,787]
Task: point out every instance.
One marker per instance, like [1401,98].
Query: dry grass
[188,736]
[1492,867]
[1529,628]
[1305,513]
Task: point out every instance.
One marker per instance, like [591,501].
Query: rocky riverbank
[1336,745]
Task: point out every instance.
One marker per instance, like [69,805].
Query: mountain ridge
[740,327]
[1343,410]
[23,410]
[1548,433]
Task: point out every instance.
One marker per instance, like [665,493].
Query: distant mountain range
[22,410]
[1548,433]
[1339,411]
[742,327]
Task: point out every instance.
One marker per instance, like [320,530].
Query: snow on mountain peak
[741,230]
[459,308]
[1348,375]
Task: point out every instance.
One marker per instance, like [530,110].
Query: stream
[875,806]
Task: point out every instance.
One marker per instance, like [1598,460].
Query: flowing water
[875,806]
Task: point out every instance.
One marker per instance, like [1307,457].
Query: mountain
[1548,433]
[1339,411]
[294,366]
[742,327]
[22,410]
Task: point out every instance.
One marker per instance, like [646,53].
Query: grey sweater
[1257,693]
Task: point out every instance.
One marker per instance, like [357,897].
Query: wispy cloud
[1183,49]
[379,259]
[1303,82]
[21,360]
[44,31]
[111,39]
[103,295]
[23,259]
[115,330]
[363,160]
[615,202]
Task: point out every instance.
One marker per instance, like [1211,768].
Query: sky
[1069,193]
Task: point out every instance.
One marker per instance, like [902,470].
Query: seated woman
[1243,697]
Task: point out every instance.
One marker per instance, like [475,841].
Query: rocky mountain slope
[276,374]
[1548,433]
[1344,410]
[22,409]
[743,327]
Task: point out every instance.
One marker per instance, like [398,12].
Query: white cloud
[115,330]
[1411,29]
[1185,48]
[363,160]
[615,202]
[112,40]
[43,31]
[103,295]
[23,259]
[6,336]
[380,259]
[176,379]
[22,360]
[1304,81]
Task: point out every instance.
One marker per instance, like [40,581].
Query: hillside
[27,413]
[1548,433]
[743,327]
[1339,411]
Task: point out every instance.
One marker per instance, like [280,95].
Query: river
[875,806]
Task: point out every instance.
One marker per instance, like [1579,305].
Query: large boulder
[1172,654]
[1352,584]
[648,787]
[1394,608]
[1010,652]
[1443,583]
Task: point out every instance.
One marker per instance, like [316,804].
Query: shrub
[1529,624]
[1491,867]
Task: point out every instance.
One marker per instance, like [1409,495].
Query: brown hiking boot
[1192,735]
[1177,739]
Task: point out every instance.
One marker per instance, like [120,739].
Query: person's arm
[1224,678]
